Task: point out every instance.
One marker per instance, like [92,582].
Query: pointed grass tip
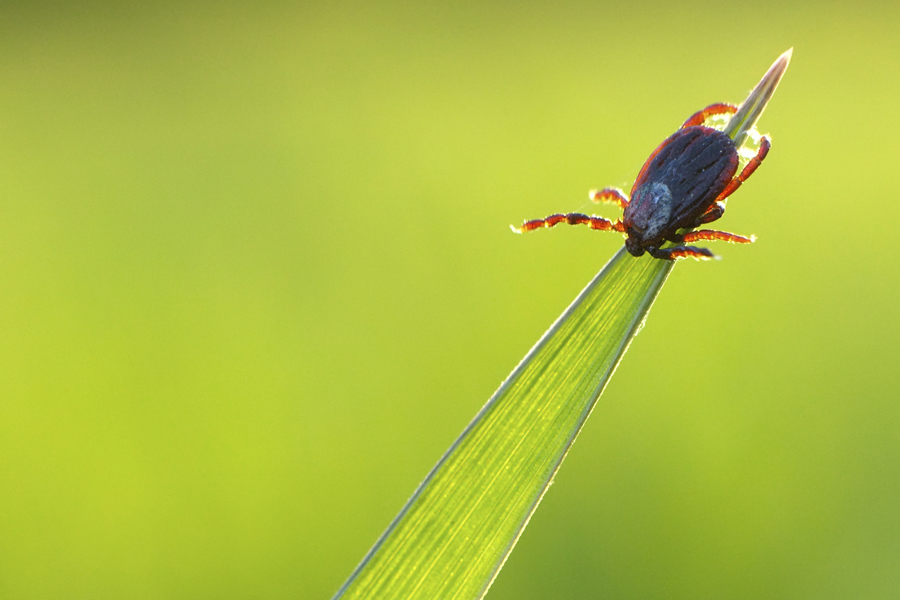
[749,112]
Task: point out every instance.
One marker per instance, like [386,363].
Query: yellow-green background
[256,275]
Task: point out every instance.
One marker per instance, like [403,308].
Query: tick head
[633,245]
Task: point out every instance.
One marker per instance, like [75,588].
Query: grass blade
[454,534]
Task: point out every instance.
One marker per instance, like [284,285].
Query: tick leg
[598,223]
[713,213]
[681,252]
[747,171]
[610,194]
[699,117]
[709,234]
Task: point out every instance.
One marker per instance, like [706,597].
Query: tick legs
[699,117]
[713,213]
[610,194]
[709,234]
[598,223]
[718,209]
[748,170]
[681,252]
[677,252]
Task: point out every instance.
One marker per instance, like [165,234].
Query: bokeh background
[256,275]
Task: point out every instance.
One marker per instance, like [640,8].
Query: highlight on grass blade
[454,534]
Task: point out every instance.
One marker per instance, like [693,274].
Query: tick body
[681,186]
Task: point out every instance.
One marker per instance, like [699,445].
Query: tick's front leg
[611,194]
[598,223]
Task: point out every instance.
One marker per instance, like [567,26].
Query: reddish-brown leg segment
[747,171]
[709,234]
[681,252]
[699,117]
[611,194]
[598,223]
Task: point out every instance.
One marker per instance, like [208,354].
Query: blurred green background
[256,275]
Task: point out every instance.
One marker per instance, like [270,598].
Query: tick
[682,185]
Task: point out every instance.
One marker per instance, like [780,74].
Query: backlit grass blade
[454,534]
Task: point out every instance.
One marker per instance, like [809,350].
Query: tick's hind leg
[699,117]
[748,170]
[611,194]
[598,223]
[677,252]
